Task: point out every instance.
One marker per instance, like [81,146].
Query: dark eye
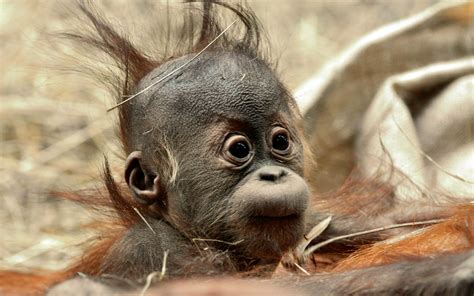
[237,149]
[280,141]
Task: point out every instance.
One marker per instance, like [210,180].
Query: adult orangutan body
[215,173]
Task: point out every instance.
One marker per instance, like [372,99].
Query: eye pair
[238,150]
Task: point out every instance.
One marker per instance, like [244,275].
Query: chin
[270,238]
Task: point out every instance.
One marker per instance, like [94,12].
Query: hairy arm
[445,275]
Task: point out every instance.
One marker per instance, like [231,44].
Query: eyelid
[233,162]
[226,137]
[288,153]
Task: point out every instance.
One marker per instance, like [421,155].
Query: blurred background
[54,128]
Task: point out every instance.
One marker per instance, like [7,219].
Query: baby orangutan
[215,161]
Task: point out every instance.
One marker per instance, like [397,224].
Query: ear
[144,186]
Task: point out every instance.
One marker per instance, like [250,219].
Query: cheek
[202,194]
[297,164]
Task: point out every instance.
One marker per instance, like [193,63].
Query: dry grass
[54,128]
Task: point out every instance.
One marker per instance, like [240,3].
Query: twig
[331,240]
[301,268]
[163,268]
[313,233]
[144,220]
[150,277]
[174,71]
[218,241]
[38,249]
[318,229]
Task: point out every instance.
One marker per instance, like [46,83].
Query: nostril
[272,174]
[269,177]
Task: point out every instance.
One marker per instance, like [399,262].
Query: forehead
[215,85]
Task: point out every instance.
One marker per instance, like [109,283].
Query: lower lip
[271,219]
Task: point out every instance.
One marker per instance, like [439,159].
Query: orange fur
[15,283]
[355,196]
[454,235]
[90,263]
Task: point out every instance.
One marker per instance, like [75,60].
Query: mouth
[276,208]
[276,218]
